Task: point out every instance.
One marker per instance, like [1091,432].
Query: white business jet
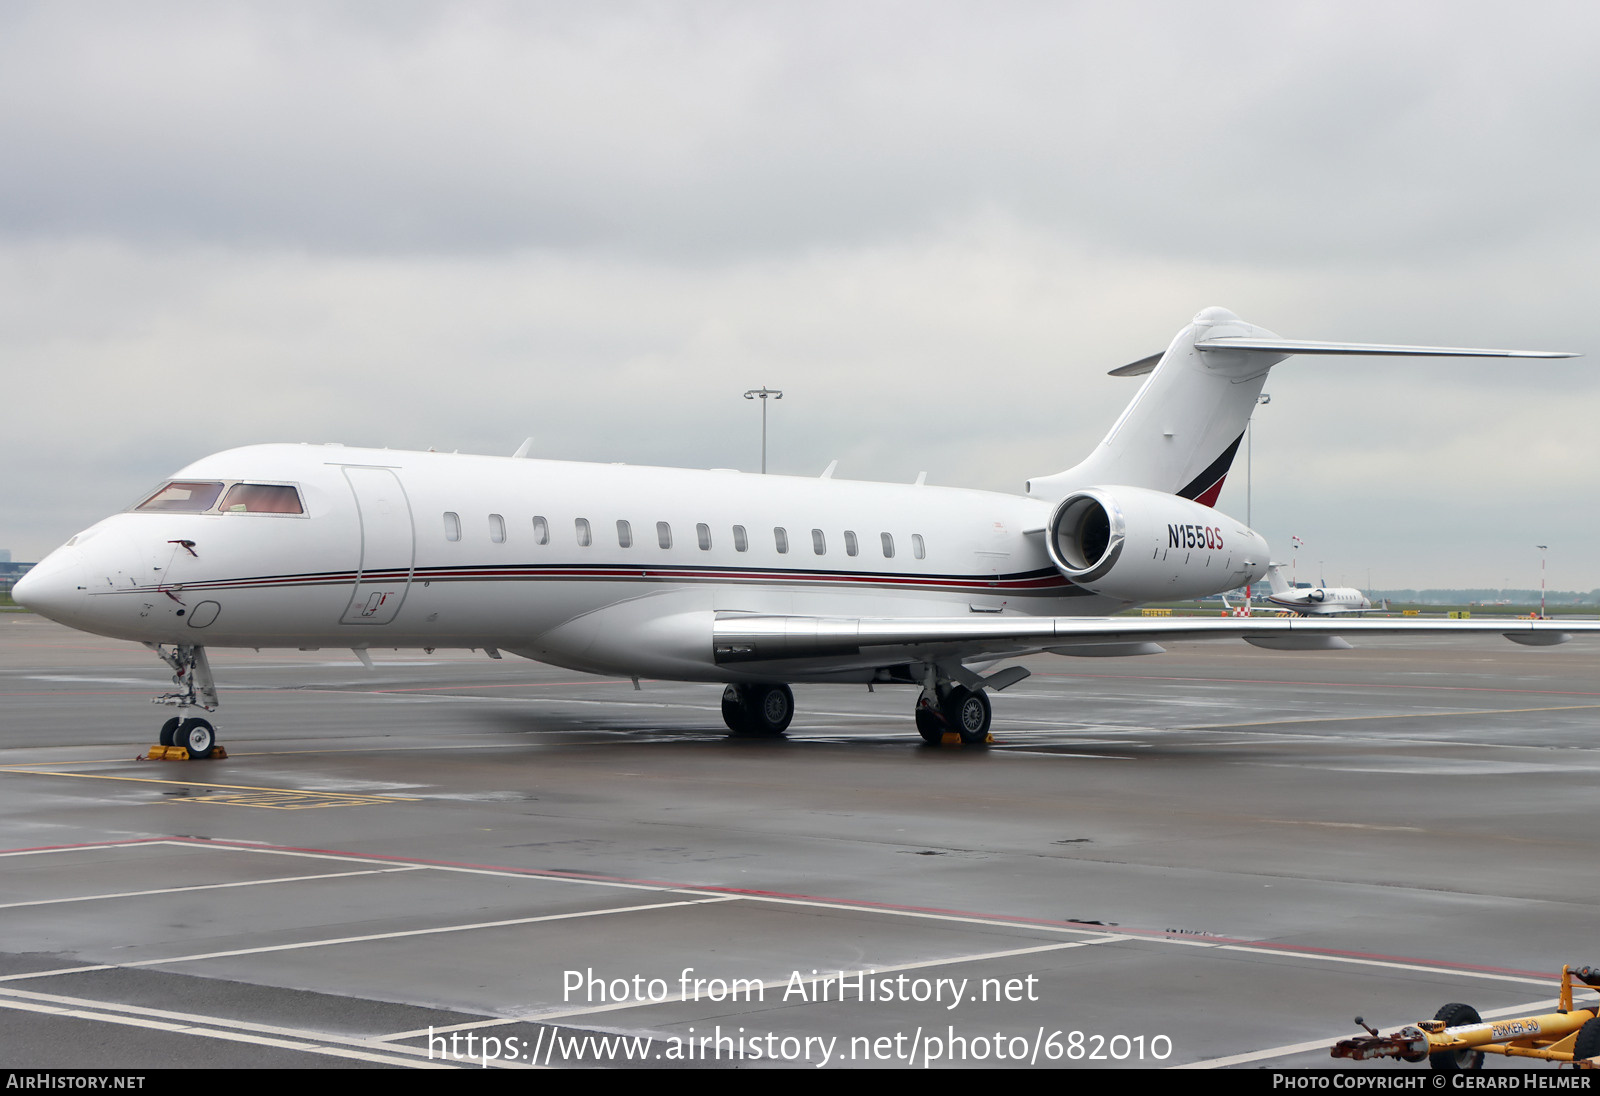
[1314,600]
[749,580]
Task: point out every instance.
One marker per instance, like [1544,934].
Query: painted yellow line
[213,784]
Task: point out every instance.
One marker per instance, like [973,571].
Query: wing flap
[860,641]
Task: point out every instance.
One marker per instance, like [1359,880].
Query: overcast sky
[934,225]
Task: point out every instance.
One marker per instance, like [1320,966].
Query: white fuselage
[399,549]
[1322,599]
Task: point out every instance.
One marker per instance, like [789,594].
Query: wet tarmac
[1213,857]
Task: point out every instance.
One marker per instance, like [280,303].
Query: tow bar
[1457,1038]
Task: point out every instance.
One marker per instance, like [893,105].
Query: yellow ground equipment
[1457,1038]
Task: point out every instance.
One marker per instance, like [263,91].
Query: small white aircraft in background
[1314,600]
[753,581]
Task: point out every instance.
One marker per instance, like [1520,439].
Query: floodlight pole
[762,393]
[1250,476]
[1543,548]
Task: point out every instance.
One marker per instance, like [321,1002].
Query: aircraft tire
[968,714]
[169,730]
[733,710]
[1456,1061]
[771,708]
[929,725]
[197,736]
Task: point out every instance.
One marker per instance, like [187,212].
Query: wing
[845,643]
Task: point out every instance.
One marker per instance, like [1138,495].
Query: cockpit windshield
[200,496]
[262,498]
[186,495]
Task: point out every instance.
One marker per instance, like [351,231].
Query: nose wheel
[191,673]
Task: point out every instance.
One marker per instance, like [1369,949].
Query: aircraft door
[388,546]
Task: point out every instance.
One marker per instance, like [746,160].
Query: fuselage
[404,549]
[1322,599]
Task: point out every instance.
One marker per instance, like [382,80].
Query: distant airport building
[10,572]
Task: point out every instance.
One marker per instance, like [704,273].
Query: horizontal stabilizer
[1138,368]
[1303,346]
[1306,346]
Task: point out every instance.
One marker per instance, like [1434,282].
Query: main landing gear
[191,673]
[757,709]
[949,710]
[957,710]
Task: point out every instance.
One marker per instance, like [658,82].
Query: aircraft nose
[55,587]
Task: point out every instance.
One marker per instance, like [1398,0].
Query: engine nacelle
[1136,544]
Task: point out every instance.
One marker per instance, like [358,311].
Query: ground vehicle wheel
[967,711]
[168,730]
[1456,1014]
[197,736]
[1587,1044]
[929,725]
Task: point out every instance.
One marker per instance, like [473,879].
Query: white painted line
[337,940]
[1391,964]
[207,886]
[870,971]
[1327,1044]
[218,1033]
[711,896]
[91,848]
[185,1021]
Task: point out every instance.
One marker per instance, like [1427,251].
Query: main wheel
[930,725]
[1587,1044]
[733,710]
[967,711]
[169,730]
[1456,1014]
[197,736]
[771,708]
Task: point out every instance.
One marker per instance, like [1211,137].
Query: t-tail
[1181,431]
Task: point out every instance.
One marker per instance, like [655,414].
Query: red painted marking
[1208,497]
[854,903]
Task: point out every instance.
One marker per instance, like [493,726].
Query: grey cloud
[1245,131]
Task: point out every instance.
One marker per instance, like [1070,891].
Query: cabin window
[497,528]
[261,498]
[541,530]
[819,543]
[663,534]
[850,545]
[917,548]
[888,545]
[183,495]
[585,537]
[624,535]
[781,536]
[741,541]
[452,526]
[703,533]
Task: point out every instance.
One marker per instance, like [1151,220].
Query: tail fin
[1275,579]
[1184,426]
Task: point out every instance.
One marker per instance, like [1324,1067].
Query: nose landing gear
[191,672]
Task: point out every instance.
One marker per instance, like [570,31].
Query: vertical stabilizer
[1184,426]
[1276,581]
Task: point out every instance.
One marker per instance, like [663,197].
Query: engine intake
[1136,544]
